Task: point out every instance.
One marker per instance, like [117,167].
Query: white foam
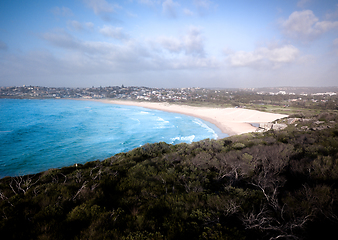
[188,138]
[137,120]
[174,139]
[203,125]
[185,139]
[162,123]
[162,120]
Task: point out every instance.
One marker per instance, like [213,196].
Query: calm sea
[36,135]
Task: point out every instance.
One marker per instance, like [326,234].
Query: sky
[169,43]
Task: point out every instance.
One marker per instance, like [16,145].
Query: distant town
[116,92]
[275,95]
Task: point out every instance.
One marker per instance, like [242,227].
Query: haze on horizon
[169,43]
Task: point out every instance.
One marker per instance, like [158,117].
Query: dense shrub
[255,186]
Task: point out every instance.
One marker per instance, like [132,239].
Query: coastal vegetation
[270,185]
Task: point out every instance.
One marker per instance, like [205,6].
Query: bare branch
[94,186]
[79,191]
[78,176]
[231,208]
[4,198]
[64,177]
[22,183]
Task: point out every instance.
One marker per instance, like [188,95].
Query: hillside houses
[127,93]
[233,97]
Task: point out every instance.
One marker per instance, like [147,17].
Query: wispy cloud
[264,56]
[62,11]
[332,13]
[132,55]
[187,12]
[60,38]
[149,2]
[171,44]
[140,41]
[203,3]
[95,55]
[304,25]
[335,46]
[194,43]
[114,32]
[100,6]
[169,8]
[303,3]
[131,14]
[89,25]
[75,25]
[190,44]
[204,6]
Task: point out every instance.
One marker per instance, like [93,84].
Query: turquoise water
[37,135]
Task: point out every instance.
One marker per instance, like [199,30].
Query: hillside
[271,185]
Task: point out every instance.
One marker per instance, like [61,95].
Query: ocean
[37,135]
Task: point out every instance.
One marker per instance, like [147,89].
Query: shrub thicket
[256,186]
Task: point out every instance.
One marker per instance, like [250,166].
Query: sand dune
[231,121]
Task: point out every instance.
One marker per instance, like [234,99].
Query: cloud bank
[304,25]
[169,43]
[264,56]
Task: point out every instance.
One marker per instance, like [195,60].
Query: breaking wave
[37,135]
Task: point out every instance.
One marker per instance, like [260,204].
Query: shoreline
[231,121]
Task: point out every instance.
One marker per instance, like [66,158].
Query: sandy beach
[231,121]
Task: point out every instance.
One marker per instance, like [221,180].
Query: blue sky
[168,43]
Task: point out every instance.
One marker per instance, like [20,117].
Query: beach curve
[231,121]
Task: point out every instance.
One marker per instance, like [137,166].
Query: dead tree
[22,183]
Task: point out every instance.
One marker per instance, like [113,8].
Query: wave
[188,139]
[56,133]
[161,123]
[203,125]
[143,112]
